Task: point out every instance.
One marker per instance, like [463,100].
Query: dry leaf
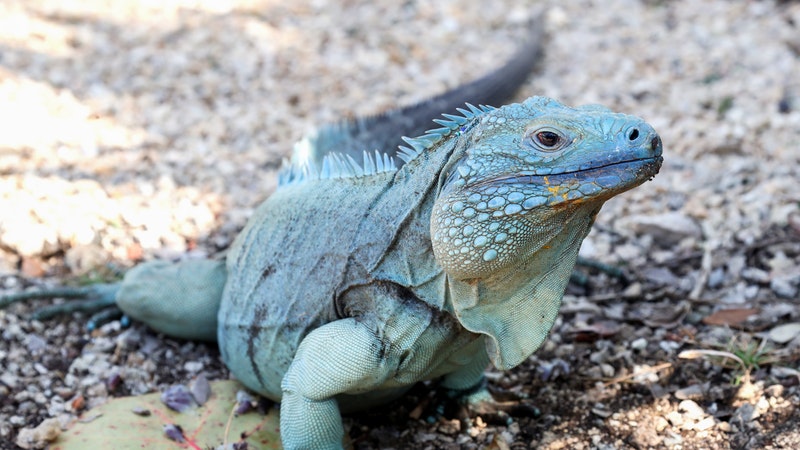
[730,317]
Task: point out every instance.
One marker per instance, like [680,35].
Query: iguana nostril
[633,134]
[655,143]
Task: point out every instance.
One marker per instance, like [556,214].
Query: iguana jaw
[578,186]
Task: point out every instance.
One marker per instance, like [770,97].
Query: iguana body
[346,288]
[355,280]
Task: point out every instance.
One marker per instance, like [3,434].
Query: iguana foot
[479,401]
[98,298]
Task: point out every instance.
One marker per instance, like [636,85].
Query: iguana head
[515,201]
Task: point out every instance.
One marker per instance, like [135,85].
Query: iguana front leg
[344,356]
[468,387]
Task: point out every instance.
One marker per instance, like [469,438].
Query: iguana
[366,272]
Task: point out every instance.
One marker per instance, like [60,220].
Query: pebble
[691,410]
[744,414]
[675,418]
[784,287]
[639,344]
[9,379]
[784,333]
[667,229]
[704,424]
[193,366]
[694,391]
[39,436]
[755,275]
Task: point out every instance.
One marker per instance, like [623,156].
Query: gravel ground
[135,130]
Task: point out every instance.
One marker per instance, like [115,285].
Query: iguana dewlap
[364,274]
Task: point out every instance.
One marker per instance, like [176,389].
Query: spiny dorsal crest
[302,168]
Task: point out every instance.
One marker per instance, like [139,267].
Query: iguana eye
[546,140]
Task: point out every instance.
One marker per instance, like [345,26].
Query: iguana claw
[479,401]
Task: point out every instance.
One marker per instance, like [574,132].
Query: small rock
[35,343]
[755,275]
[193,366]
[691,392]
[736,264]
[762,406]
[177,397]
[775,390]
[174,432]
[783,287]
[639,344]
[784,333]
[450,426]
[744,414]
[672,440]
[607,370]
[669,346]
[780,263]
[675,418]
[644,374]
[244,402]
[716,278]
[16,420]
[40,436]
[749,391]
[661,276]
[9,379]
[661,424]
[200,389]
[667,229]
[602,410]
[691,410]
[704,424]
[141,411]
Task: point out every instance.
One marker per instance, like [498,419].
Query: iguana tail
[178,299]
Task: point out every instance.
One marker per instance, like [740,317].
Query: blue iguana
[366,272]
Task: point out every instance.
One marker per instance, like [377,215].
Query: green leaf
[115,425]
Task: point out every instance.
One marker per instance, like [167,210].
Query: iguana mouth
[635,167]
